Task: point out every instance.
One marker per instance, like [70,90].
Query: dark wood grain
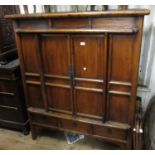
[13,113]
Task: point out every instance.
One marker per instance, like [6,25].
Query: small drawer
[10,114]
[7,100]
[110,132]
[78,23]
[6,86]
[45,120]
[76,126]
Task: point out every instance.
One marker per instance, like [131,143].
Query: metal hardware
[84,68]
[71,74]
[82,43]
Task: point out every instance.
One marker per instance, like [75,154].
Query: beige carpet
[48,140]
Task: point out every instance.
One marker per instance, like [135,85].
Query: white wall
[147,64]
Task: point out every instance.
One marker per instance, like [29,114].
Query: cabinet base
[23,127]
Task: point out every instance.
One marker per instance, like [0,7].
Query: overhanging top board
[137,12]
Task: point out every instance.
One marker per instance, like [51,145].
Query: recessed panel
[88,56]
[56,54]
[29,52]
[118,108]
[72,23]
[59,99]
[89,103]
[34,96]
[33,24]
[121,52]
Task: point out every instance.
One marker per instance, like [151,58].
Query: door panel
[59,99]
[56,61]
[56,54]
[118,105]
[29,53]
[88,57]
[89,103]
[35,96]
[120,77]
[32,70]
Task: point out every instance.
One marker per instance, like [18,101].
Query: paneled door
[89,59]
[56,58]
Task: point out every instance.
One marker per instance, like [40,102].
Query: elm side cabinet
[80,71]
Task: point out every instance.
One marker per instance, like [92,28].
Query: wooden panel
[78,23]
[6,86]
[121,88]
[118,108]
[9,114]
[59,99]
[7,100]
[59,80]
[33,24]
[29,53]
[120,78]
[34,96]
[89,104]
[88,56]
[32,78]
[110,132]
[121,59]
[86,84]
[45,119]
[114,23]
[76,126]
[55,53]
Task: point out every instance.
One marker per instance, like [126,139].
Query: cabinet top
[131,12]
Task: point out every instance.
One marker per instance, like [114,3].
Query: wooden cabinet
[13,113]
[80,71]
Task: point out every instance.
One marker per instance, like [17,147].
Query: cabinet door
[30,66]
[89,58]
[55,53]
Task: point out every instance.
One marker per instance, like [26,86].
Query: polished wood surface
[80,71]
[131,12]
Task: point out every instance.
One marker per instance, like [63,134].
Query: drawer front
[86,128]
[110,132]
[6,86]
[45,120]
[76,126]
[9,114]
[8,100]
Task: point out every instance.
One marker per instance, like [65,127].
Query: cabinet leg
[33,132]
